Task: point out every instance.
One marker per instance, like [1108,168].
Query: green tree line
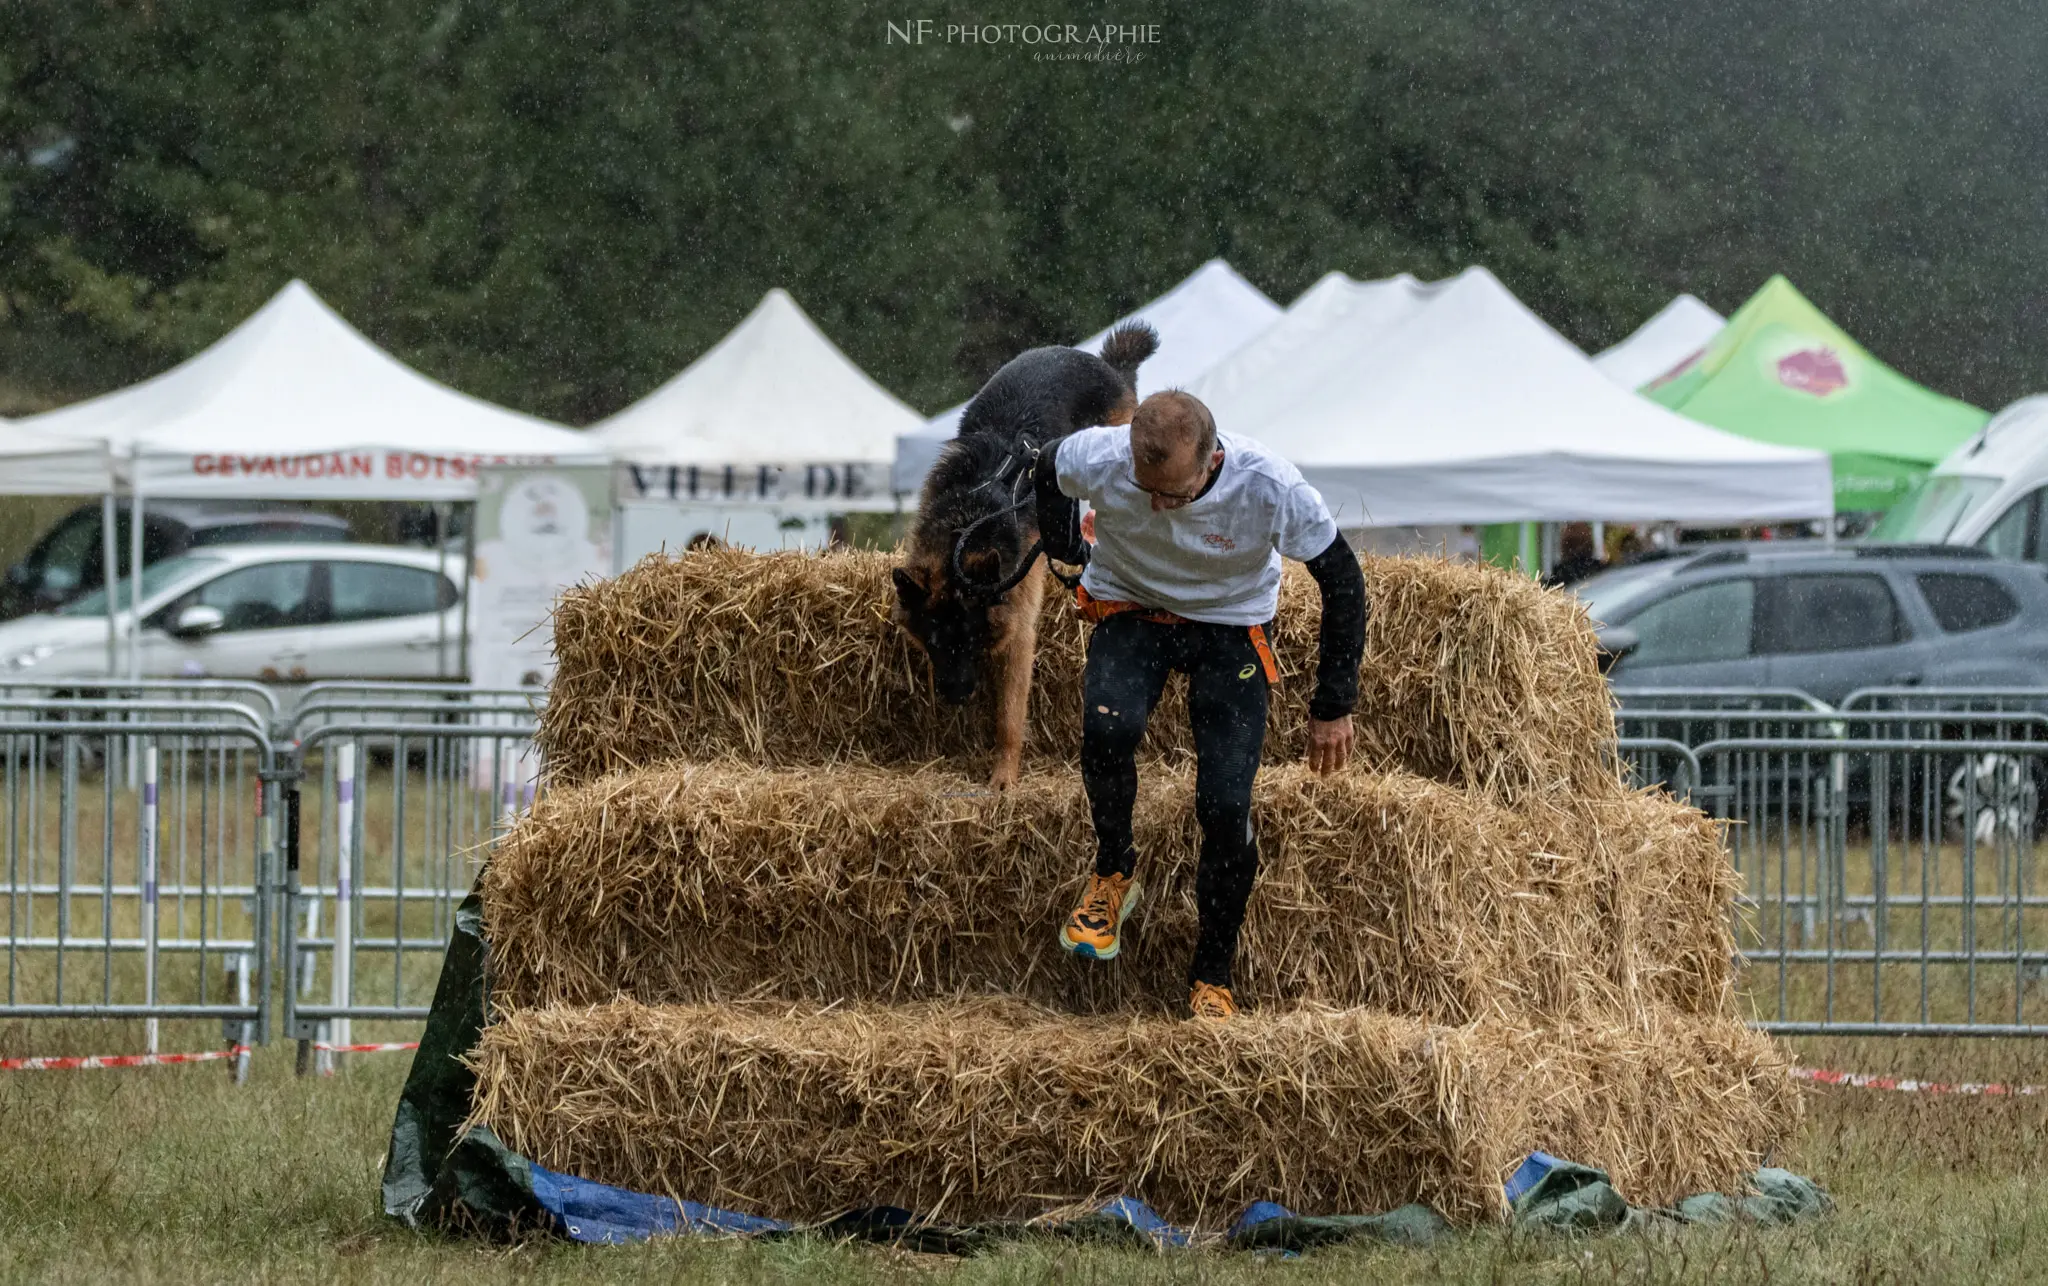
[557,206]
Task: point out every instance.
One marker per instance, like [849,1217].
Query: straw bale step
[1471,675]
[713,882]
[992,1110]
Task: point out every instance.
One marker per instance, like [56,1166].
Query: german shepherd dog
[975,520]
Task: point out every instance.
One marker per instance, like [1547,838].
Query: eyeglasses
[1185,498]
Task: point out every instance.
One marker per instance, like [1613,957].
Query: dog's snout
[955,689]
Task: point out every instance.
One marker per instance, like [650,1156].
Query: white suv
[280,613]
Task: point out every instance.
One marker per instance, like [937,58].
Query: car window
[70,556]
[283,533]
[2012,535]
[1933,509]
[1832,612]
[1962,602]
[156,577]
[264,597]
[373,591]
[1708,623]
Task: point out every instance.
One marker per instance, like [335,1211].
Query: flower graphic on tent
[1813,370]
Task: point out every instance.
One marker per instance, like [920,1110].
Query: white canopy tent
[773,413]
[1210,314]
[48,464]
[1676,334]
[1408,404]
[295,404]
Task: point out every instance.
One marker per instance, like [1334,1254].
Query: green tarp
[1781,372]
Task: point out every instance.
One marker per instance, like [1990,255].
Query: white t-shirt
[1216,559]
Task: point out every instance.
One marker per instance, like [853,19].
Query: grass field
[174,1174]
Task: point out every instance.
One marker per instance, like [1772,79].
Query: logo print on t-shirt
[1217,540]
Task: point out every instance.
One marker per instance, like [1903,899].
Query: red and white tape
[1862,1081]
[92,1062]
[96,1061]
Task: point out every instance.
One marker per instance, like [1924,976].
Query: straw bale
[1656,896]
[990,1110]
[1471,675]
[710,882]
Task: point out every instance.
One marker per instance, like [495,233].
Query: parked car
[67,562]
[1830,621]
[280,613]
[1826,621]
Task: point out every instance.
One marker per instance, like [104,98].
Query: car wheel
[1993,797]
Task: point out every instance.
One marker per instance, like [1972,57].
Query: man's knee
[1225,819]
[1110,734]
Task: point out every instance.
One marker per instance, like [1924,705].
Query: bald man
[1190,527]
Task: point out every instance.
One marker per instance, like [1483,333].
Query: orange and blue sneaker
[1211,1003]
[1092,929]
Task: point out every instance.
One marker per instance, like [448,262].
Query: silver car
[290,613]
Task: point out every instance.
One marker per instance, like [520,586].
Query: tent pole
[134,604]
[110,562]
[468,578]
[441,619]
[135,581]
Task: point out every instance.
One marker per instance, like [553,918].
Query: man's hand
[1329,744]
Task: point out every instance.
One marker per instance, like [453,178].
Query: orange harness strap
[1097,610]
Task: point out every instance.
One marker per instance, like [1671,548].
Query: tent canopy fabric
[1413,404]
[295,403]
[1781,372]
[1211,313]
[48,464]
[1679,331]
[775,393]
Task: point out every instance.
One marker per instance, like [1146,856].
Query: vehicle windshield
[1611,592]
[1933,509]
[154,578]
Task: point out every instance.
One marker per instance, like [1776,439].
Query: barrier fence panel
[149,900]
[1888,880]
[161,853]
[1660,761]
[394,823]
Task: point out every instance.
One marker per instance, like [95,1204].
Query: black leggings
[1128,661]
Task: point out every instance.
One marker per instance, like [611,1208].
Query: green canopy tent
[1781,372]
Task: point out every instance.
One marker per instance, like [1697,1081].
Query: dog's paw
[1004,776]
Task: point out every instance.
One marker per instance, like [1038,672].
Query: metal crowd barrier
[166,845]
[1889,882]
[151,900]
[181,851]
[399,818]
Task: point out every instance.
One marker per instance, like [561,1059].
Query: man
[1576,558]
[1190,527]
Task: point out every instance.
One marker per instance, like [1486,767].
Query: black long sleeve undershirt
[1337,575]
[1059,515]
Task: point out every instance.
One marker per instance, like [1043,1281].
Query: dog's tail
[1127,346]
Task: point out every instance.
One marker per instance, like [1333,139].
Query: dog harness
[1097,610]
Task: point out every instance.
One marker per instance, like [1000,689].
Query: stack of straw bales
[766,940]
[1474,677]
